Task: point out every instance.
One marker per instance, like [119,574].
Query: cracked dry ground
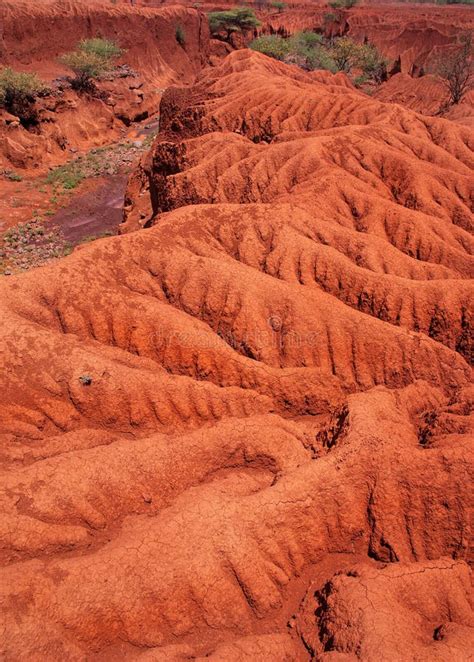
[244,432]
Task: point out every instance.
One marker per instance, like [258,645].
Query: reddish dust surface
[244,432]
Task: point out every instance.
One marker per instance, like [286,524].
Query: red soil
[67,120]
[243,433]
[409,35]
[426,95]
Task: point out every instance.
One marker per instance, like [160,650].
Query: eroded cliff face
[409,35]
[245,433]
[34,36]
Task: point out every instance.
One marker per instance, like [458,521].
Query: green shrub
[345,53]
[348,54]
[309,51]
[86,67]
[68,176]
[272,45]
[320,58]
[180,35]
[330,17]
[372,63]
[238,19]
[361,80]
[305,49]
[18,92]
[306,39]
[12,176]
[342,4]
[280,6]
[91,60]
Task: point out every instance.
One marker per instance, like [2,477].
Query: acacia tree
[457,69]
[232,20]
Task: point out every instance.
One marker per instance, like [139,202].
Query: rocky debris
[30,245]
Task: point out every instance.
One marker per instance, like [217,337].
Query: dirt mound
[408,598]
[242,433]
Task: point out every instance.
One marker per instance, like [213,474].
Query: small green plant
[90,61]
[180,35]
[280,6]
[68,176]
[12,176]
[104,48]
[360,80]
[93,237]
[342,4]
[18,92]
[330,17]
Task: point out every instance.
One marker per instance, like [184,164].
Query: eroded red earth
[242,429]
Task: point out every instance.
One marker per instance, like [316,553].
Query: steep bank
[409,35]
[32,39]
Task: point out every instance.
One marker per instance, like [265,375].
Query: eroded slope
[242,433]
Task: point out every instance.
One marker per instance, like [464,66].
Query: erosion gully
[44,219]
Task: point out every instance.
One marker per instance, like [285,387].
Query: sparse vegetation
[272,45]
[99,161]
[372,63]
[279,6]
[345,53]
[238,19]
[342,4]
[12,176]
[29,245]
[94,237]
[330,17]
[456,69]
[309,51]
[304,49]
[104,48]
[91,60]
[180,35]
[18,92]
